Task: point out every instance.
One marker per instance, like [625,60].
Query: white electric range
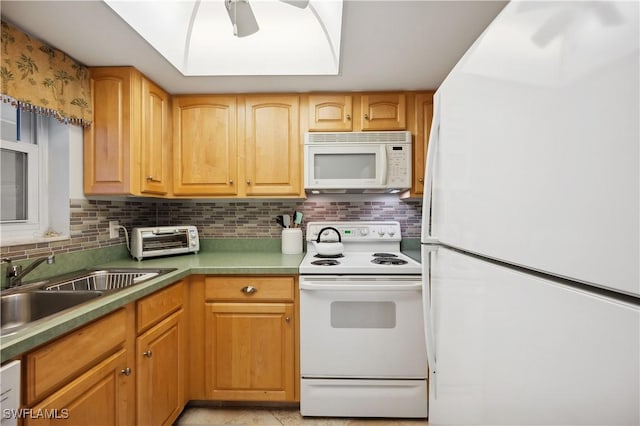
[362,349]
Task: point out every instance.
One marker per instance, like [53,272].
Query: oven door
[345,166]
[361,327]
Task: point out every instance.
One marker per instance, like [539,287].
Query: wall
[215,219]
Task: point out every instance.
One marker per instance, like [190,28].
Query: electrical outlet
[114,231]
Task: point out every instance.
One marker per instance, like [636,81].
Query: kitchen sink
[104,279]
[20,309]
[22,306]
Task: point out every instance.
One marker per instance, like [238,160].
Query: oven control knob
[380,231]
[391,231]
[364,231]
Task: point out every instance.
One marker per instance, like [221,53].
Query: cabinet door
[205,145]
[101,396]
[272,146]
[330,113]
[385,111]
[424,116]
[160,362]
[109,151]
[249,348]
[155,147]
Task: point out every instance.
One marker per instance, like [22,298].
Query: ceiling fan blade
[297,3]
[242,17]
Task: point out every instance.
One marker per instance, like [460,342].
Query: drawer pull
[249,289]
[148,354]
[126,371]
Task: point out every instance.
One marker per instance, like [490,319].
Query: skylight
[197,36]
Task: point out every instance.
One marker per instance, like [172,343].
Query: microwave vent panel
[359,137]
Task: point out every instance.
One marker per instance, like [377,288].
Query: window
[28,208]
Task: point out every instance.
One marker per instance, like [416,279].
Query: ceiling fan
[242,18]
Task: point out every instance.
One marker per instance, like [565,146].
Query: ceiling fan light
[242,17]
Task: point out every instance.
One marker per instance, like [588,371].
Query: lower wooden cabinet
[160,364]
[160,357]
[250,335]
[249,348]
[132,367]
[84,378]
[101,396]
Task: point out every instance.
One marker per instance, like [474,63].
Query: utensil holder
[292,241]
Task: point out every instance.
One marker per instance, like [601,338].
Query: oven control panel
[355,231]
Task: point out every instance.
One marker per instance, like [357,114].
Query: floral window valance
[39,78]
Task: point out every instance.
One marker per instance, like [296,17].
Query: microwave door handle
[384,165]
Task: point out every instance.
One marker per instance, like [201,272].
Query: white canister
[292,241]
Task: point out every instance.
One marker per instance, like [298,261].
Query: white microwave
[351,162]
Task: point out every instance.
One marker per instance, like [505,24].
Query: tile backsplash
[215,219]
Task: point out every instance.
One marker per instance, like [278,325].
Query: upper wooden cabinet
[424,116]
[385,111]
[205,145]
[156,140]
[272,154]
[336,112]
[330,113]
[110,142]
[237,146]
[130,124]
[421,117]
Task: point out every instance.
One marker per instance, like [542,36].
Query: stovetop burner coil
[325,262]
[329,256]
[384,255]
[389,261]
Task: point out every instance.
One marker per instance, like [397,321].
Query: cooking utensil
[328,248]
[297,219]
[280,221]
[286,221]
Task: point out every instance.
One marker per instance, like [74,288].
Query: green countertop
[213,263]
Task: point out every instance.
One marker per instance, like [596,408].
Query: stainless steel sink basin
[104,279]
[20,309]
[22,306]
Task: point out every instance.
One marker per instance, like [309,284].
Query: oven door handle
[360,287]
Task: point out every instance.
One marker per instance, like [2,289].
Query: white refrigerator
[531,222]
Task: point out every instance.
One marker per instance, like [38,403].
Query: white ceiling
[386,45]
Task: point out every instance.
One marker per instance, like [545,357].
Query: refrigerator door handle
[434,138]
[428,319]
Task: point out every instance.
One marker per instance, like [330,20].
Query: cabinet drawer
[157,306]
[249,288]
[55,364]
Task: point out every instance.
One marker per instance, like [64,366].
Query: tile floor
[195,416]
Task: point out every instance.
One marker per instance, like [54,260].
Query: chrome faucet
[15,273]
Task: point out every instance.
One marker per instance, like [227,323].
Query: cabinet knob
[249,289]
[348,116]
[148,354]
[151,179]
[420,180]
[248,182]
[287,319]
[366,116]
[230,181]
[126,371]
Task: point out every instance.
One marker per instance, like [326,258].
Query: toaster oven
[163,241]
